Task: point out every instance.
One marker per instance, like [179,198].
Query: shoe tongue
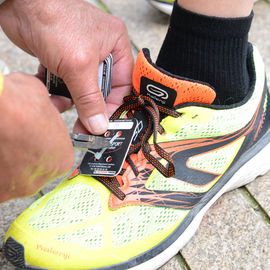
[167,89]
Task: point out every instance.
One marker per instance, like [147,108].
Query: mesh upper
[70,205]
[143,221]
[215,161]
[90,237]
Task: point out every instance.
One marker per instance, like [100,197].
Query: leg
[221,8]
[207,41]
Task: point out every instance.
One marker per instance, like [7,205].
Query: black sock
[209,49]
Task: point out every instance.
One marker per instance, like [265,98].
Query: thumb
[88,99]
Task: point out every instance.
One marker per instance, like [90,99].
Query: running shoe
[185,154]
[166,6]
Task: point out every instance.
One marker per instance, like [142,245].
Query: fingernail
[98,123]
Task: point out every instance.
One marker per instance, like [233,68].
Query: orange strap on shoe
[1,83]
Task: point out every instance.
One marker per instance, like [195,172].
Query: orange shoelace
[153,111]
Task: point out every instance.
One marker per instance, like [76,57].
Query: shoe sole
[241,173]
[164,7]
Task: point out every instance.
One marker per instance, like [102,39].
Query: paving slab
[260,190]
[231,236]
[174,264]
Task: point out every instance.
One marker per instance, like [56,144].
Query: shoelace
[133,103]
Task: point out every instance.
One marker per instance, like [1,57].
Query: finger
[41,70]
[79,128]
[122,71]
[41,73]
[123,62]
[61,103]
[83,86]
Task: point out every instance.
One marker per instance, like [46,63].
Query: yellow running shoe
[186,153]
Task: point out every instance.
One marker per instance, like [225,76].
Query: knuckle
[79,59]
[119,24]
[85,99]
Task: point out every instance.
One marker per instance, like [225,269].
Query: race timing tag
[109,161]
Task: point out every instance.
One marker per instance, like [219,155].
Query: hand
[34,143]
[71,38]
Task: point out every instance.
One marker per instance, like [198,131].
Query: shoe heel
[14,252]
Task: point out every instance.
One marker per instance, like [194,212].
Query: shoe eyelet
[163,133]
[109,159]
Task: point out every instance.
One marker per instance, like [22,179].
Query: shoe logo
[53,251]
[154,90]
[160,93]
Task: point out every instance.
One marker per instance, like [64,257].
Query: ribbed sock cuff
[209,49]
[208,26]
